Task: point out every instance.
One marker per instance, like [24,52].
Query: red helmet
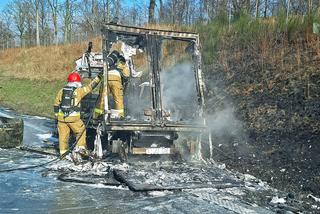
[74,77]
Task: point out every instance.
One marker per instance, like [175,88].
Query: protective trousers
[64,128]
[115,88]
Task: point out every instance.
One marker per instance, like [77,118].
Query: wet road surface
[114,187]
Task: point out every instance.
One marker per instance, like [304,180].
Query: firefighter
[67,111]
[118,74]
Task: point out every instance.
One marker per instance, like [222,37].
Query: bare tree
[265,8]
[106,12]
[54,15]
[16,9]
[67,20]
[30,35]
[92,20]
[36,4]
[257,8]
[117,8]
[29,20]
[161,10]
[6,36]
[46,33]
[152,6]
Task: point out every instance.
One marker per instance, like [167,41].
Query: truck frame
[155,133]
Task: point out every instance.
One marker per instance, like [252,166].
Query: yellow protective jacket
[78,94]
[121,70]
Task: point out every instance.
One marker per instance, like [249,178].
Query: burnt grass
[277,112]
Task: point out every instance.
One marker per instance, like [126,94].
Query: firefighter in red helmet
[67,111]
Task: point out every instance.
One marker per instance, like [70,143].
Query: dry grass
[170,27]
[50,63]
[42,63]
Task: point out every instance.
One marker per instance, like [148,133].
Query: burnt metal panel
[148,127]
[198,75]
[148,31]
[153,51]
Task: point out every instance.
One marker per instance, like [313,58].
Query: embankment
[268,75]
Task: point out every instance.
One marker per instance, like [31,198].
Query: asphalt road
[62,187]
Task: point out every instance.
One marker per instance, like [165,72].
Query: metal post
[105,51]
[154,50]
[198,72]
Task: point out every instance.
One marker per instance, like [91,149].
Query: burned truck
[163,98]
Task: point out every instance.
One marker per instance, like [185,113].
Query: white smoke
[227,129]
[179,94]
[223,122]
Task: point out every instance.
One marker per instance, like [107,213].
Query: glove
[100,75]
[56,110]
[95,82]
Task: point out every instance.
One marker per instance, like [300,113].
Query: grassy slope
[271,74]
[29,96]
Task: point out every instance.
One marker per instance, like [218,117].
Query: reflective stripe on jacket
[122,70]
[78,94]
